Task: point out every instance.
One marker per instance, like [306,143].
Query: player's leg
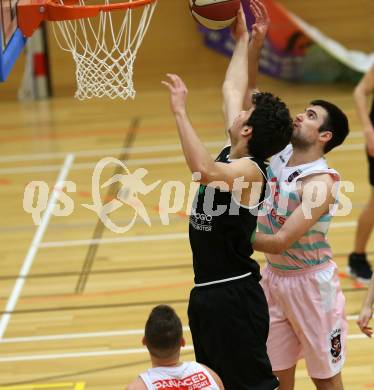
[233,331]
[195,322]
[283,345]
[334,383]
[318,299]
[251,318]
[286,378]
[358,264]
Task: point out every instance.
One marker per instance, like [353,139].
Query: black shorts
[371,169]
[229,323]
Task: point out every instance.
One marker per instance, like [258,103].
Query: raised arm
[259,31]
[236,79]
[241,75]
[302,218]
[197,157]
[363,90]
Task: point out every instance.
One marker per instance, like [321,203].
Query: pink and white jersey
[187,376]
[312,248]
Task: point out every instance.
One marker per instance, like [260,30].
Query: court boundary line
[35,244]
[89,165]
[74,336]
[124,351]
[103,152]
[114,333]
[150,237]
[114,240]
[149,161]
[111,192]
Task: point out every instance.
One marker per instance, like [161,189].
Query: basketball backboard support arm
[12,39]
[9,56]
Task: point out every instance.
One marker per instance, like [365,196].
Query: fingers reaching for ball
[239,28]
[262,21]
[178,92]
[175,84]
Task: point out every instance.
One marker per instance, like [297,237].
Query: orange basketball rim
[32,12]
[103,48]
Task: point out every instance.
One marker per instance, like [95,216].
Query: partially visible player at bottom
[163,338]
[300,280]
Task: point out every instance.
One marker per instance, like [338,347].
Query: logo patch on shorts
[336,345]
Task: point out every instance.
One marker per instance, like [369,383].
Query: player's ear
[144,341]
[183,342]
[246,131]
[325,136]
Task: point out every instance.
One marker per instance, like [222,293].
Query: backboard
[12,40]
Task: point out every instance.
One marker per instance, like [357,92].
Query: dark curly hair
[336,122]
[272,126]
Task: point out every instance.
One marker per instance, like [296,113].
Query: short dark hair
[163,331]
[272,126]
[336,122]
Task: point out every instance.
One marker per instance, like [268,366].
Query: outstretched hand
[363,321]
[178,93]
[262,22]
[239,27]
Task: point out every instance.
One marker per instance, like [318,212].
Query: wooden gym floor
[75,320]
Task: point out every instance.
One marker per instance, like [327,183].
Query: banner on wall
[296,51]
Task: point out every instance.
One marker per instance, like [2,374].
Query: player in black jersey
[228,313]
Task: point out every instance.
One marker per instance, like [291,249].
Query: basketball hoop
[103,52]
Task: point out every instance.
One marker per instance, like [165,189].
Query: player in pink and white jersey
[300,280]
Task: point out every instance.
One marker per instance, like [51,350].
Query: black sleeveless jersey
[220,232]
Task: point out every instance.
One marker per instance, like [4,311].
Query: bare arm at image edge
[362,96]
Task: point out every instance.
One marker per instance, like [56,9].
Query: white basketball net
[104,54]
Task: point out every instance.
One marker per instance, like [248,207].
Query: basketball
[214,14]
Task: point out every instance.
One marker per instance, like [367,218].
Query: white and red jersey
[187,376]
